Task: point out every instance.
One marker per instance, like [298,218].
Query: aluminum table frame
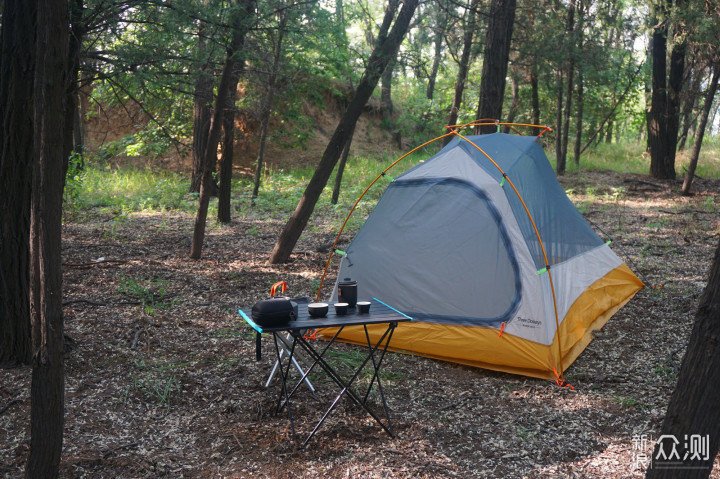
[380,313]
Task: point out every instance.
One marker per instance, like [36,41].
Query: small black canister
[347,292]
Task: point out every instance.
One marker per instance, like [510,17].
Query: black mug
[347,292]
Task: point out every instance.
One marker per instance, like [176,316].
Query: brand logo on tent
[529,323]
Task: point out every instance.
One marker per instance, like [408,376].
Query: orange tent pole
[337,238]
[453,131]
[542,246]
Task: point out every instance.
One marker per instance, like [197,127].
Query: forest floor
[161,377]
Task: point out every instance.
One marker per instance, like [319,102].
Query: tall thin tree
[663,117]
[385,50]
[694,407]
[463,65]
[47,395]
[495,61]
[269,97]
[17,66]
[241,17]
[709,98]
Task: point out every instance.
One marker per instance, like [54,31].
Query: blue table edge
[260,330]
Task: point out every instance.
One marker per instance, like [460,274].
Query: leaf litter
[161,378]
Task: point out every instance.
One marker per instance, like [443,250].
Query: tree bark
[570,83]
[580,83]
[657,118]
[241,25]
[690,104]
[712,89]
[379,59]
[559,159]
[535,94]
[514,102]
[437,57]
[47,395]
[202,111]
[675,82]
[694,407]
[386,104]
[228,148]
[77,32]
[579,119]
[17,67]
[463,67]
[341,168]
[495,62]
[664,122]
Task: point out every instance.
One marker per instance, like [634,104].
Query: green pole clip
[502,182]
[391,178]
[607,243]
[341,253]
[498,126]
[545,269]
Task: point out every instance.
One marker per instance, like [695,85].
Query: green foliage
[151,292]
[127,190]
[74,180]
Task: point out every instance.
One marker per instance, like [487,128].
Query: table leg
[376,375]
[299,338]
[346,386]
[283,377]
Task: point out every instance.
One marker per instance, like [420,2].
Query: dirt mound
[112,123]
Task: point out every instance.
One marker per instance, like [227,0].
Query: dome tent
[481,246]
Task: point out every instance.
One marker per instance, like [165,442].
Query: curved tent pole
[352,210]
[454,131]
[542,247]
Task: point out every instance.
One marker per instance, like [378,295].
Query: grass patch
[127,190]
[151,292]
[633,158]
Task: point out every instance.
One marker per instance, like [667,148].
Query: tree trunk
[515,101]
[657,121]
[463,67]
[694,407]
[341,168]
[495,62]
[228,148]
[675,82]
[570,29]
[579,119]
[241,25]
[690,105]
[267,103]
[379,59]
[17,66]
[714,114]
[580,82]
[47,391]
[559,159]
[78,31]
[663,121]
[437,57]
[535,94]
[386,104]
[712,89]
[202,112]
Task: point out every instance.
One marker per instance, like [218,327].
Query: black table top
[379,313]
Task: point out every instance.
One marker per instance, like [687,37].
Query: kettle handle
[282,284]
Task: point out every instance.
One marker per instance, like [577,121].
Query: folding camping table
[380,313]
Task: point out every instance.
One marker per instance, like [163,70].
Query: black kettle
[347,292]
